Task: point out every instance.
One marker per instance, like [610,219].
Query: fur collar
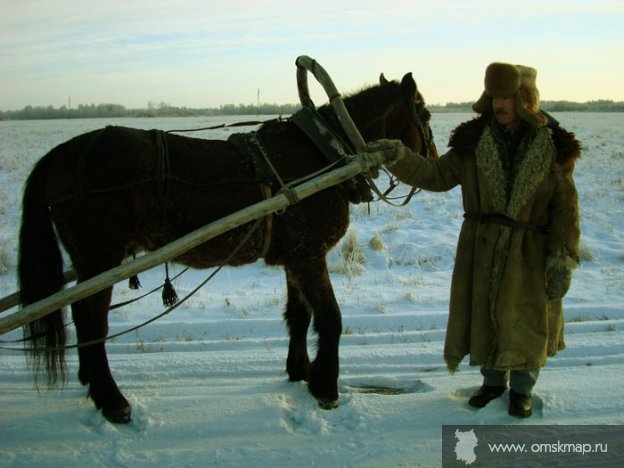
[535,165]
[465,138]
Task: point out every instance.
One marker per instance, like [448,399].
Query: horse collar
[333,147]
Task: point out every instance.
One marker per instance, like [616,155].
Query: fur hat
[505,79]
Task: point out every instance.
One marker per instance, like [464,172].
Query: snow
[207,383]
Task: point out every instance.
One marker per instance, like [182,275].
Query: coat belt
[497,218]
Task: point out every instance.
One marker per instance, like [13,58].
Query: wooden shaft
[302,87]
[13,300]
[361,163]
[304,62]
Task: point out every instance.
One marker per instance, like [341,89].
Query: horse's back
[96,160]
[117,158]
[196,160]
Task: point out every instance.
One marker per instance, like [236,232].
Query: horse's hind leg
[91,320]
[94,248]
[298,318]
[311,278]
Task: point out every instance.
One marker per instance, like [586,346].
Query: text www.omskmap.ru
[558,447]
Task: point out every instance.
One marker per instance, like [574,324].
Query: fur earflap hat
[505,79]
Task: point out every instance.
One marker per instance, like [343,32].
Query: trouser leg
[494,378]
[523,381]
[494,385]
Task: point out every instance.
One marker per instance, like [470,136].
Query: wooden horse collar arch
[305,64]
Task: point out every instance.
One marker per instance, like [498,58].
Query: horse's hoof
[327,404]
[298,370]
[327,399]
[298,376]
[121,415]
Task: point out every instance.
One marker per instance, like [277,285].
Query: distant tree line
[166,110]
[63,112]
[590,106]
[153,110]
[549,106]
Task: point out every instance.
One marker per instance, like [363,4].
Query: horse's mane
[374,100]
[369,102]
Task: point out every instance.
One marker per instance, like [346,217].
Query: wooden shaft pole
[13,300]
[361,163]
[306,63]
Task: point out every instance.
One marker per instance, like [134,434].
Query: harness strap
[266,194]
[333,147]
[248,145]
[163,170]
[265,174]
[497,218]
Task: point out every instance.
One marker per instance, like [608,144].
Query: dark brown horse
[110,193]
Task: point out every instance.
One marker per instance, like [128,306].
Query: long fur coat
[500,313]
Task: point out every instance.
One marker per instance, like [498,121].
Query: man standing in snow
[519,241]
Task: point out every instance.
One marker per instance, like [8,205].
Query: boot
[520,405]
[485,394]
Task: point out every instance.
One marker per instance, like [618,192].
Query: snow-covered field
[207,383]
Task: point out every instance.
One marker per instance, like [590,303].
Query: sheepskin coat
[500,313]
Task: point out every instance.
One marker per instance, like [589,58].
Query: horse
[109,193]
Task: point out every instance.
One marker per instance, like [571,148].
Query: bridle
[417,119]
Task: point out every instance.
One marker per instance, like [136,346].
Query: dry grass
[351,259]
[376,243]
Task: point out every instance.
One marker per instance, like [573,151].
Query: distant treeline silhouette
[153,110]
[600,105]
[166,110]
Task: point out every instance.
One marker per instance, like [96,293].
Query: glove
[558,280]
[393,150]
[559,267]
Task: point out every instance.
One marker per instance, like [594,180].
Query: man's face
[505,112]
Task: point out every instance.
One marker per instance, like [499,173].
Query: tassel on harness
[133,281]
[169,295]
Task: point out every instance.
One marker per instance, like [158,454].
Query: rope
[159,316]
[383,196]
[112,307]
[236,124]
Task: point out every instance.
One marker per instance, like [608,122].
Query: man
[519,241]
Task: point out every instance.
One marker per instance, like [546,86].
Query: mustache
[500,112]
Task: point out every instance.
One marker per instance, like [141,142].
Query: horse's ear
[408,86]
[382,80]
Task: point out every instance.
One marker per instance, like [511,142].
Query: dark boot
[520,405]
[485,394]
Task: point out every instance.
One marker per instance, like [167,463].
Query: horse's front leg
[312,280]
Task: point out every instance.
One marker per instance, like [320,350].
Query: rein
[427,142]
[236,124]
[162,314]
[112,307]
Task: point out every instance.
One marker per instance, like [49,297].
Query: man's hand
[393,150]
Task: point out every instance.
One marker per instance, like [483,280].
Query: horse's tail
[40,273]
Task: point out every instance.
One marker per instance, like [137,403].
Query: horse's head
[407,118]
[389,110]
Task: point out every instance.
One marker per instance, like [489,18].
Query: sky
[192,53]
